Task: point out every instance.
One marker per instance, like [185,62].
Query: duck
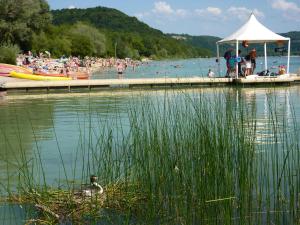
[93,189]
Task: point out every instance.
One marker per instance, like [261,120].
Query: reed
[180,159]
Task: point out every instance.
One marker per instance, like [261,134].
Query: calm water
[192,68]
[58,129]
[57,126]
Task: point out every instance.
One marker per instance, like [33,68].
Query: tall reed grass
[184,159]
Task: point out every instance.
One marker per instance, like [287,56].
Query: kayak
[5,69]
[4,74]
[36,77]
[79,75]
[51,74]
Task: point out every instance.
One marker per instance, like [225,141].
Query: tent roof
[253,32]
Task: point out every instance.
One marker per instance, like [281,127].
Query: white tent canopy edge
[253,32]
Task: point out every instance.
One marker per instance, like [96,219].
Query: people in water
[210,73]
[120,69]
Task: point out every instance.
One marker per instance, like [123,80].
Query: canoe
[51,74]
[36,77]
[80,75]
[5,69]
[4,74]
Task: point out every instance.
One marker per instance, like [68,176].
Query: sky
[200,17]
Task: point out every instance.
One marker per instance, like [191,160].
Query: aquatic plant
[208,160]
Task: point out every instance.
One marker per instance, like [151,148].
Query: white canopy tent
[253,32]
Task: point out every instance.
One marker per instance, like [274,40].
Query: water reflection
[60,128]
[22,126]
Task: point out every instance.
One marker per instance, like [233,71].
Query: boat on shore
[5,69]
[51,74]
[37,77]
[79,75]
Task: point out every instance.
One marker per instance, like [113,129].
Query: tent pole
[266,62]
[288,60]
[237,64]
[218,58]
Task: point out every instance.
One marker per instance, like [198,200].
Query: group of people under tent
[246,65]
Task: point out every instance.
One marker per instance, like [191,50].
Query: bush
[8,54]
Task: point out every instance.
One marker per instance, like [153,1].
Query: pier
[10,84]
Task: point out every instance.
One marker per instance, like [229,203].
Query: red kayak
[5,69]
[79,75]
[51,74]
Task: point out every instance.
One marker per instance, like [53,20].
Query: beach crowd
[44,64]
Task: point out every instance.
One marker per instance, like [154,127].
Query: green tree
[8,53]
[81,45]
[20,19]
[96,38]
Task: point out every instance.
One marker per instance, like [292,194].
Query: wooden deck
[14,84]
[8,84]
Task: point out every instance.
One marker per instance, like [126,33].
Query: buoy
[245,44]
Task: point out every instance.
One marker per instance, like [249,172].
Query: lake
[192,68]
[61,131]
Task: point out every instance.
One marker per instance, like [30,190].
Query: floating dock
[8,84]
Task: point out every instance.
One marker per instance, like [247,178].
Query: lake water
[192,68]
[57,129]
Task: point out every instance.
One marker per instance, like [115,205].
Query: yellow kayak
[36,77]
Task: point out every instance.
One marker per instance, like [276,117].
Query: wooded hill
[99,31]
[209,42]
[131,37]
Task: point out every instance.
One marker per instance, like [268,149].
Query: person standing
[227,57]
[253,60]
[240,60]
[120,69]
[248,65]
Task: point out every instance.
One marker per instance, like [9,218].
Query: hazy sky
[200,17]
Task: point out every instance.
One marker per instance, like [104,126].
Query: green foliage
[91,35]
[8,54]
[128,36]
[209,43]
[81,45]
[101,32]
[105,18]
[20,19]
[295,41]
[52,41]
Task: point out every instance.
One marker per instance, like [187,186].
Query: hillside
[295,41]
[102,17]
[209,42]
[131,37]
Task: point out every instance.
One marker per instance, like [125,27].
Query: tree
[8,53]
[20,19]
[95,37]
[81,45]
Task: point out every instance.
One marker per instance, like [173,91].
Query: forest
[101,32]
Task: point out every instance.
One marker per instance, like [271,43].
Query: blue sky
[200,17]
